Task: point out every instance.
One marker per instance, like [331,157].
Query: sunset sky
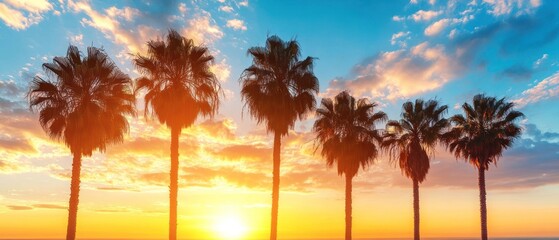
[388,51]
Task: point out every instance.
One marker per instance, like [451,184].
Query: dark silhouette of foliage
[83,103]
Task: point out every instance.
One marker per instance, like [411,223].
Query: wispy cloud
[423,15]
[76,39]
[22,14]
[237,24]
[437,27]
[543,90]
[226,9]
[108,23]
[505,7]
[397,36]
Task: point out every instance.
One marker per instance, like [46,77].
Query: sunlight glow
[230,227]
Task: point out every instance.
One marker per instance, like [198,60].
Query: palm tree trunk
[415,209]
[275,187]
[348,219]
[482,203]
[173,188]
[74,197]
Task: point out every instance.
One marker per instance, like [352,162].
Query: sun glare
[230,227]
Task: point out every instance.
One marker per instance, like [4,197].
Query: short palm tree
[83,103]
[345,132]
[410,140]
[487,128]
[179,87]
[278,89]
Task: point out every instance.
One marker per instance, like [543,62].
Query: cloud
[400,74]
[532,131]
[125,27]
[226,9]
[7,167]
[203,29]
[541,60]
[182,8]
[398,18]
[437,27]
[245,152]
[13,18]
[20,15]
[397,36]
[127,13]
[17,207]
[18,144]
[236,24]
[244,3]
[222,70]
[76,39]
[545,89]
[423,15]
[109,23]
[517,73]
[505,7]
[49,206]
[9,88]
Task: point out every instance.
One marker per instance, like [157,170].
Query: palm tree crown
[178,80]
[278,88]
[86,106]
[487,129]
[410,140]
[345,130]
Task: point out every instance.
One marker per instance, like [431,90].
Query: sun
[230,227]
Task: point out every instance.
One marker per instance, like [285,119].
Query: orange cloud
[12,12]
[400,74]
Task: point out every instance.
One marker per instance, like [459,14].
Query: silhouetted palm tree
[480,137]
[345,131]
[83,103]
[278,89]
[412,139]
[180,87]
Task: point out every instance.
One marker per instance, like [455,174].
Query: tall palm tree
[410,140]
[83,103]
[487,128]
[345,131]
[179,87]
[278,89]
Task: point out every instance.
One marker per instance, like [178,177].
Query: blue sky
[389,51]
[507,46]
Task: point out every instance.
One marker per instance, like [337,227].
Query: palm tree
[83,103]
[179,87]
[412,139]
[278,89]
[345,130]
[480,137]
